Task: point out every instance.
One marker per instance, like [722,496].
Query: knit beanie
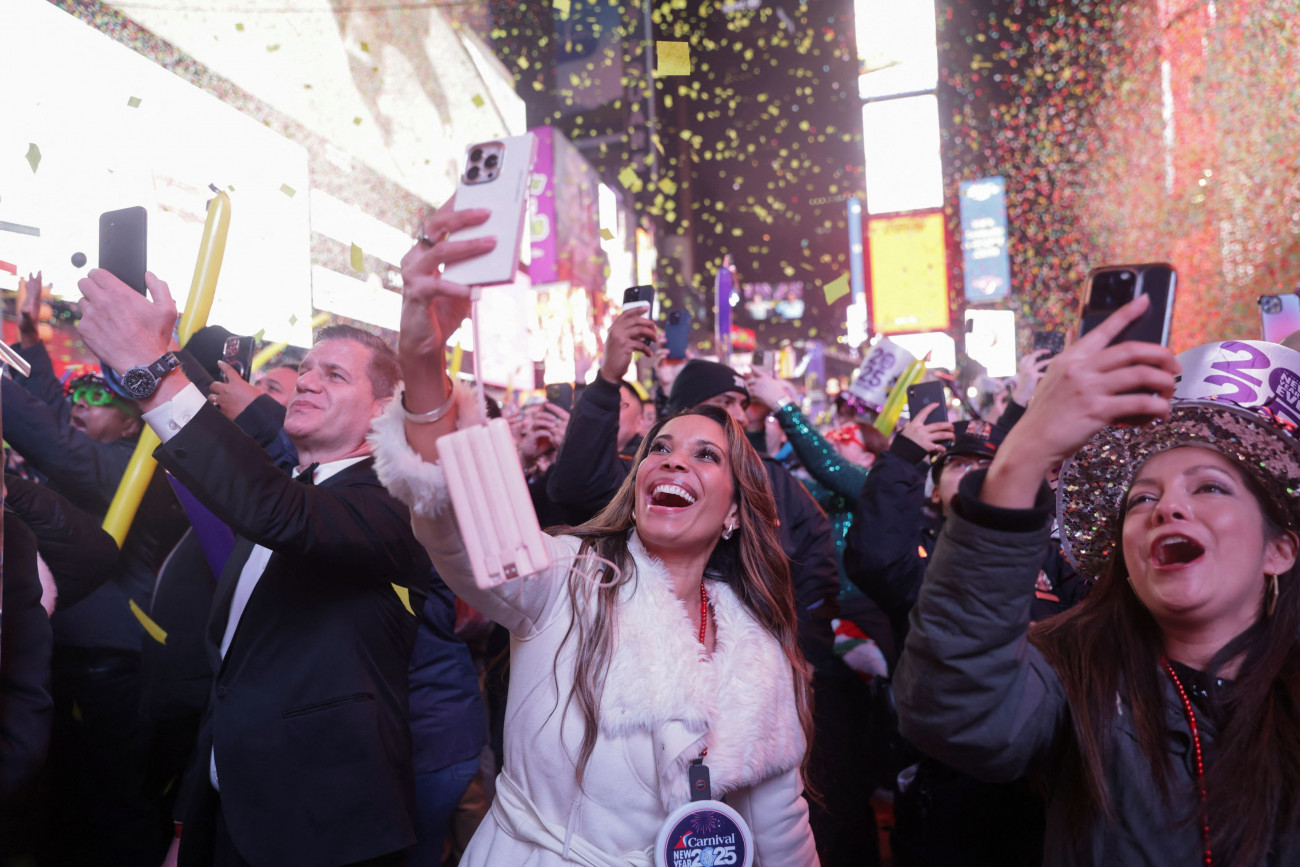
[700,380]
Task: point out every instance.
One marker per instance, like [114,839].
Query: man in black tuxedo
[304,756]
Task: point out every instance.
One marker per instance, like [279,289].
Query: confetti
[357,259]
[629,178]
[672,58]
[403,594]
[271,48]
[287,190]
[239,26]
[606,235]
[563,8]
[133,102]
[837,288]
[478,100]
[33,156]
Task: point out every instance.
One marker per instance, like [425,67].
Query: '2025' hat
[1248,414]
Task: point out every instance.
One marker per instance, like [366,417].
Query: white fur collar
[739,703]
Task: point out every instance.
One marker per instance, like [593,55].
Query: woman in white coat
[620,678]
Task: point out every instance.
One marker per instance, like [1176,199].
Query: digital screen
[909,274]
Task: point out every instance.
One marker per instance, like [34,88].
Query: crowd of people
[1062,634]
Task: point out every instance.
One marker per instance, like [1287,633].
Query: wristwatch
[141,382]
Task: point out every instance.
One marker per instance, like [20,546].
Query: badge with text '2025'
[704,834]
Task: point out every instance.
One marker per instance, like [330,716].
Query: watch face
[139,382]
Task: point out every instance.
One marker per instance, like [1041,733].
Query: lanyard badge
[705,832]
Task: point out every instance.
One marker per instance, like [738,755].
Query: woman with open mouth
[1162,714]
[660,641]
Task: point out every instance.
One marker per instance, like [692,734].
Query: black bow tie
[307,476]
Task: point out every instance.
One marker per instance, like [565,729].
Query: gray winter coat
[973,693]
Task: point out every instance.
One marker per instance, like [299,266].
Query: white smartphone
[495,177]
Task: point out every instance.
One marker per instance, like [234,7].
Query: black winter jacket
[973,692]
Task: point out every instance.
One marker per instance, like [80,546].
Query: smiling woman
[1161,714]
[658,643]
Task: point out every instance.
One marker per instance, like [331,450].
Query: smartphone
[123,239]
[560,394]
[1052,341]
[1279,316]
[495,176]
[677,333]
[764,360]
[1113,286]
[238,353]
[923,394]
[640,298]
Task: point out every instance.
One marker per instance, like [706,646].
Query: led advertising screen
[909,284]
[986,266]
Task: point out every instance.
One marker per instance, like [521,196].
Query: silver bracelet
[432,415]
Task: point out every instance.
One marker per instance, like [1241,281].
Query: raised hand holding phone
[494,179]
[1092,384]
[631,333]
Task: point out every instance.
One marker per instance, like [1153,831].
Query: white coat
[662,702]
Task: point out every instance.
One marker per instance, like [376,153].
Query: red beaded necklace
[704,611]
[1200,763]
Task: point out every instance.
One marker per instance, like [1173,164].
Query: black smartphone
[560,394]
[764,360]
[1279,316]
[1052,341]
[640,297]
[923,394]
[1113,286]
[677,333]
[238,353]
[123,237]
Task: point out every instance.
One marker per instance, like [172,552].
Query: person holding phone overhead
[660,637]
[1160,714]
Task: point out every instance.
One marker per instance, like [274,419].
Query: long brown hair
[751,562]
[1110,645]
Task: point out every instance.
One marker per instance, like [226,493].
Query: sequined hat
[1094,481]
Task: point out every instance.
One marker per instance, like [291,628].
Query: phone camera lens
[476,155]
[1126,276]
[1271,305]
[473,173]
[491,162]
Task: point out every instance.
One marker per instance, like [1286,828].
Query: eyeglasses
[93,391]
[91,395]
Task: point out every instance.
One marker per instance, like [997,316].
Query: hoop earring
[1271,590]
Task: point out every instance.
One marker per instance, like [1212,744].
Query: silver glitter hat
[1260,436]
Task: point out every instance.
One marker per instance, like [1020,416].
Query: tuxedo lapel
[223,596]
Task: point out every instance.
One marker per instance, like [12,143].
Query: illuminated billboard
[986,265]
[909,274]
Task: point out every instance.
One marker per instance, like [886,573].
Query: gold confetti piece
[606,235]
[357,264]
[76,712]
[133,102]
[837,288]
[356,121]
[275,47]
[239,26]
[672,58]
[33,156]
[365,46]
[627,177]
[478,100]
[668,185]
[155,631]
[293,319]
[405,595]
[562,8]
[287,190]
